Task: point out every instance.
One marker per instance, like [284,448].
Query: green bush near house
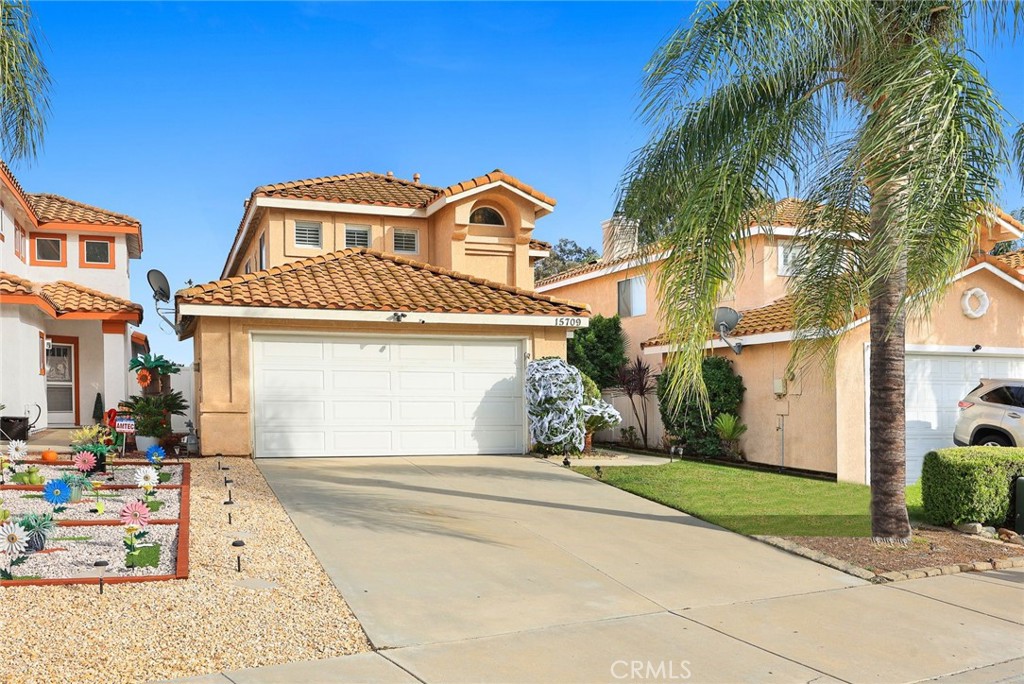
[969,484]
[686,421]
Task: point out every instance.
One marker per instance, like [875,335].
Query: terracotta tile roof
[774,317]
[52,208]
[69,297]
[1009,219]
[354,188]
[494,177]
[66,297]
[540,245]
[366,280]
[14,182]
[597,265]
[1013,259]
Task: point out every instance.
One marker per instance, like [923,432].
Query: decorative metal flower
[155,454]
[56,492]
[16,449]
[144,377]
[136,514]
[84,461]
[147,477]
[13,539]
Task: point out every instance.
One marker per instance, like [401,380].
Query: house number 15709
[566,322]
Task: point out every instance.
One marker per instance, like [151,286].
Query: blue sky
[174,112]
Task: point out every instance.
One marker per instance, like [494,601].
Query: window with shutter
[407,241]
[357,236]
[308,234]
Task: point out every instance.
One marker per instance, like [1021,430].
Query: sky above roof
[174,112]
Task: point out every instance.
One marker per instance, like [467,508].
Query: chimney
[415,178]
[619,239]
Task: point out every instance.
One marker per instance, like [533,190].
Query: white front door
[935,383]
[370,396]
[61,393]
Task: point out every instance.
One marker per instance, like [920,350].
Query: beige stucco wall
[446,239]
[222,357]
[1002,326]
[602,295]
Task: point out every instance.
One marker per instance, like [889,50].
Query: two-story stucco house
[65,312]
[364,314]
[812,421]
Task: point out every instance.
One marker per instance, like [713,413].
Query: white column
[115,369]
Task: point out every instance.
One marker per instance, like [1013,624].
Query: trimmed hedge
[969,484]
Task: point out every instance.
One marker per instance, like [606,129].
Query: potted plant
[149,368]
[152,415]
[78,482]
[38,526]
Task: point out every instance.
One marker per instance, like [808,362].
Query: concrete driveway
[473,569]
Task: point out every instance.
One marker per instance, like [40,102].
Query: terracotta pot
[50,455]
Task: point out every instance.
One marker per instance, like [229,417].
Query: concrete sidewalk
[511,569]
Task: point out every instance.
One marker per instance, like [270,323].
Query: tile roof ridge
[320,180]
[640,254]
[17,186]
[84,205]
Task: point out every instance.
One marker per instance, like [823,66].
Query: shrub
[686,420]
[554,403]
[969,484]
[599,350]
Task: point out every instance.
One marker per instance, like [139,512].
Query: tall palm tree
[876,113]
[24,83]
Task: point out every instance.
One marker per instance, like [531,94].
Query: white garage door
[369,396]
[935,383]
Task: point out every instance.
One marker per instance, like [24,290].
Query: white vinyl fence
[655,430]
[182,381]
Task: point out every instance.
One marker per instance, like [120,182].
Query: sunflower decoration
[144,377]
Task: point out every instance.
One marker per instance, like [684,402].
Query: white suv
[992,414]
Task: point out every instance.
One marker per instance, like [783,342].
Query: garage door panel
[299,379]
[361,443]
[499,382]
[361,352]
[443,381]
[413,412]
[360,411]
[379,396]
[279,410]
[428,441]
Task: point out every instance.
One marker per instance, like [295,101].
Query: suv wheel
[992,439]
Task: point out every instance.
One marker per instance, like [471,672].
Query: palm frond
[24,83]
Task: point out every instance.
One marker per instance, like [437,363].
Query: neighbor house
[365,314]
[810,420]
[65,312]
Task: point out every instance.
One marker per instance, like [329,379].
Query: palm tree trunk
[887,419]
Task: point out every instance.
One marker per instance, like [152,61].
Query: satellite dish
[726,319]
[161,288]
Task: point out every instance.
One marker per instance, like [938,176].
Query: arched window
[486,216]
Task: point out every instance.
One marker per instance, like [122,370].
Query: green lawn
[755,502]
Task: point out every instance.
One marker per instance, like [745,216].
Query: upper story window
[262,253]
[407,241]
[309,234]
[357,236]
[48,249]
[791,255]
[487,216]
[633,296]
[95,251]
[20,242]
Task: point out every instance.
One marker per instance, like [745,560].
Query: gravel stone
[164,630]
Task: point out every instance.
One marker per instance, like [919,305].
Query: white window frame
[85,252]
[636,291]
[309,226]
[358,228]
[785,252]
[415,239]
[60,250]
[262,254]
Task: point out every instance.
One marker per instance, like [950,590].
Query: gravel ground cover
[928,548]
[74,550]
[19,502]
[122,474]
[207,623]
